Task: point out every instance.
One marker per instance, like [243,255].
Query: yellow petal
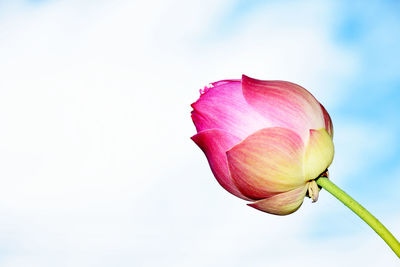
[319,153]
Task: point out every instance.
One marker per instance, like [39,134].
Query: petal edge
[283,203]
[214,143]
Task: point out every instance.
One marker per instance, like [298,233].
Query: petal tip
[248,80]
[273,211]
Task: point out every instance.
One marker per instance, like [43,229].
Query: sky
[96,163]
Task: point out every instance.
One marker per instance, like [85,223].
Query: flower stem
[347,200]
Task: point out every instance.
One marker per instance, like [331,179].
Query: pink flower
[265,141]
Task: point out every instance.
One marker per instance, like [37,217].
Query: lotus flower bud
[266,141]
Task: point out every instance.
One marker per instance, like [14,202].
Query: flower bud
[265,141]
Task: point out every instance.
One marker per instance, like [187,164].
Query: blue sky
[372,32]
[97,165]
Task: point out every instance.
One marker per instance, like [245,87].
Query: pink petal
[328,121]
[214,144]
[283,203]
[224,107]
[284,104]
[268,162]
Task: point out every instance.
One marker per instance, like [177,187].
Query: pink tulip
[265,141]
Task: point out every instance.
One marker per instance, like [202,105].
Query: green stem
[361,212]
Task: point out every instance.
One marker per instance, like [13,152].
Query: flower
[265,141]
